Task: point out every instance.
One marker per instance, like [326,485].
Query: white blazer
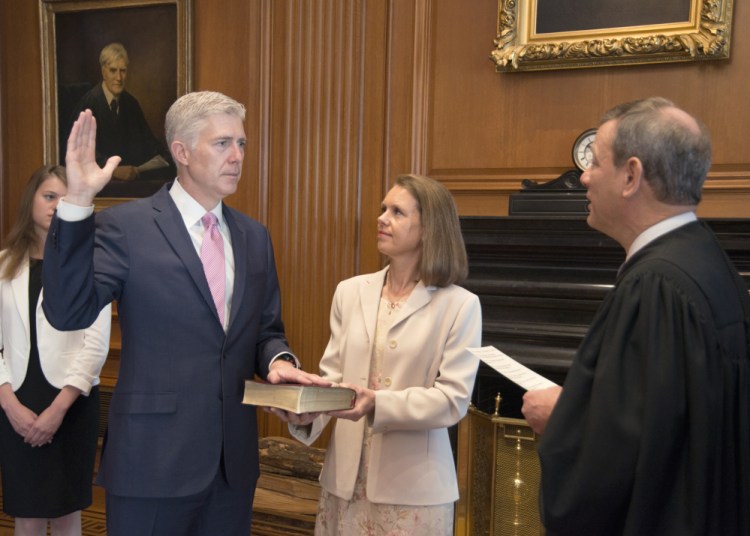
[72,358]
[428,377]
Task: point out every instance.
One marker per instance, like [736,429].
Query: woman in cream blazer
[48,379]
[399,338]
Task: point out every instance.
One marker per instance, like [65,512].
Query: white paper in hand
[511,369]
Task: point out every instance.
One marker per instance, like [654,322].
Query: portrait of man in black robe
[122,129]
[128,64]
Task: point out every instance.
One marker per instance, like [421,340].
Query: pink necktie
[212,257]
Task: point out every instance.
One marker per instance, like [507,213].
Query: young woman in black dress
[48,381]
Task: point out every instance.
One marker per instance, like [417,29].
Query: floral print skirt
[337,516]
[359,516]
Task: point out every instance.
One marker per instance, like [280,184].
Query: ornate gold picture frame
[157,35]
[565,34]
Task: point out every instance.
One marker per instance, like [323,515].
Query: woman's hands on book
[364,404]
[285,372]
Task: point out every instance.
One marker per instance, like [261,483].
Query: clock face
[582,154]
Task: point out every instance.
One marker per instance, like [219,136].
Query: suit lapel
[20,287]
[418,298]
[239,240]
[171,224]
[369,299]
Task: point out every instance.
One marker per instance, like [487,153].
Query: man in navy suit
[180,455]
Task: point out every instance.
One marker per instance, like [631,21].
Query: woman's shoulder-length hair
[443,260]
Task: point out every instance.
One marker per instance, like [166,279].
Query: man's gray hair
[676,157]
[186,116]
[112,52]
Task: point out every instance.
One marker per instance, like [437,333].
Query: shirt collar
[659,229]
[108,94]
[190,210]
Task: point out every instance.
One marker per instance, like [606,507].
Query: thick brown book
[298,398]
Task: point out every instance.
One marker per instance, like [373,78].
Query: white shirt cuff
[297,363]
[70,212]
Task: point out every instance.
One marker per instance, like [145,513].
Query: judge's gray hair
[112,52]
[187,115]
[675,149]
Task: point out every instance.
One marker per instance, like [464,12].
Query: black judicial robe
[651,434]
[125,134]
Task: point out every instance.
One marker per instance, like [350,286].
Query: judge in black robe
[124,133]
[651,432]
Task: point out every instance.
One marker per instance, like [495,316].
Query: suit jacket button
[388,382]
[392,344]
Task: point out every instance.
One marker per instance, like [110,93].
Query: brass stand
[500,484]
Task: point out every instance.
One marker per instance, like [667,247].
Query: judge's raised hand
[538,406]
[85,177]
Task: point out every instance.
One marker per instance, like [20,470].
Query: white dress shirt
[661,228]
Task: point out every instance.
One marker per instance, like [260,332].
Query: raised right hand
[85,177]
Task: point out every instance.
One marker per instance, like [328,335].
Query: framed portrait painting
[127,61]
[564,34]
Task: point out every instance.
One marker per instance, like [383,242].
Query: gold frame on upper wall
[158,35]
[555,34]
